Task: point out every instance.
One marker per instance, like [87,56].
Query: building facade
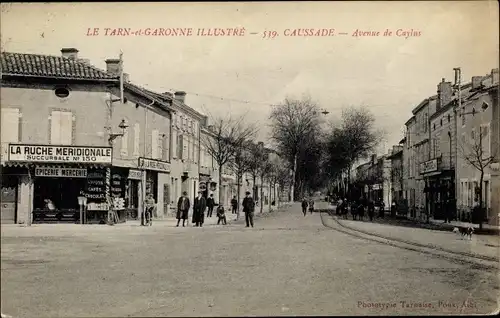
[59,115]
[476,141]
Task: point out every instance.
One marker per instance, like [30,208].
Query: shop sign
[135,174]
[428,166]
[153,164]
[203,186]
[60,172]
[65,154]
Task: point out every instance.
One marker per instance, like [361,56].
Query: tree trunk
[481,212]
[292,182]
[238,187]
[261,194]
[220,186]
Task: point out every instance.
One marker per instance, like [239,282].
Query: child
[221,215]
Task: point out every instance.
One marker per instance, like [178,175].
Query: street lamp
[123,126]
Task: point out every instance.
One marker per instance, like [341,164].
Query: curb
[474,255]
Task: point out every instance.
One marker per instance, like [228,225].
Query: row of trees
[317,154]
[230,143]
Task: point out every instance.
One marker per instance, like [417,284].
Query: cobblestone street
[287,265]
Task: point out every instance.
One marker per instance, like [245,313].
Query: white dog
[464,231]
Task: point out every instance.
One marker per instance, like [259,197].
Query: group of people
[306,204]
[201,204]
[358,208]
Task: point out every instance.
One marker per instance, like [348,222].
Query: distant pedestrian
[248,208]
[234,205]
[381,209]
[311,206]
[183,206]
[200,204]
[221,215]
[394,209]
[371,209]
[304,206]
[361,210]
[354,210]
[210,205]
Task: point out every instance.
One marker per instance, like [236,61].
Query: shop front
[439,190]
[56,176]
[156,176]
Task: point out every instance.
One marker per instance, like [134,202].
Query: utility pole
[458,87]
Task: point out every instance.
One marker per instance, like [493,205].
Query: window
[473,135]
[180,146]
[434,126]
[124,144]
[10,130]
[486,142]
[137,138]
[61,127]
[154,144]
[165,151]
[426,122]
[463,116]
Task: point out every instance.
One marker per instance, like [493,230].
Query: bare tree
[354,139]
[240,164]
[292,123]
[227,136]
[476,156]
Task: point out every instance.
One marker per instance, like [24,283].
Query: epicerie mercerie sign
[60,154]
[60,172]
[152,164]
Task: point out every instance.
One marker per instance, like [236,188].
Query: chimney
[445,93]
[180,96]
[70,53]
[494,76]
[113,66]
[476,82]
[126,77]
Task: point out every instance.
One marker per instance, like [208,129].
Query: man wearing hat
[200,204]
[183,208]
[248,208]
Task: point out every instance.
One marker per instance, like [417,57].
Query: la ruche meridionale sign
[60,154]
[153,164]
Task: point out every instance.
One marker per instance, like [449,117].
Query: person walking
[150,206]
[371,209]
[304,206]
[183,206]
[381,209]
[234,205]
[248,208]
[210,206]
[311,206]
[200,204]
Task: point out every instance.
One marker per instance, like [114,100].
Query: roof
[398,153]
[36,65]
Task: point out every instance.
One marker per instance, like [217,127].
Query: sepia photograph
[245,159]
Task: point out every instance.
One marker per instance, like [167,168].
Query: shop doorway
[63,192]
[8,198]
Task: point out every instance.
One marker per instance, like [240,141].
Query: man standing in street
[234,205]
[183,208]
[210,205]
[248,208]
[200,204]
[304,206]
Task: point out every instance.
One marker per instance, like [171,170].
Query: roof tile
[50,66]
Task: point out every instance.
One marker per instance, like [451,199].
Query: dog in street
[464,231]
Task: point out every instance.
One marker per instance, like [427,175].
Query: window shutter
[137,138]
[124,144]
[184,147]
[55,127]
[10,125]
[154,144]
[174,139]
[66,132]
[180,146]
[164,147]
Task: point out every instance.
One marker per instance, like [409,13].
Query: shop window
[61,127]
[11,125]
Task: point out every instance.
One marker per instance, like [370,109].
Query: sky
[244,75]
